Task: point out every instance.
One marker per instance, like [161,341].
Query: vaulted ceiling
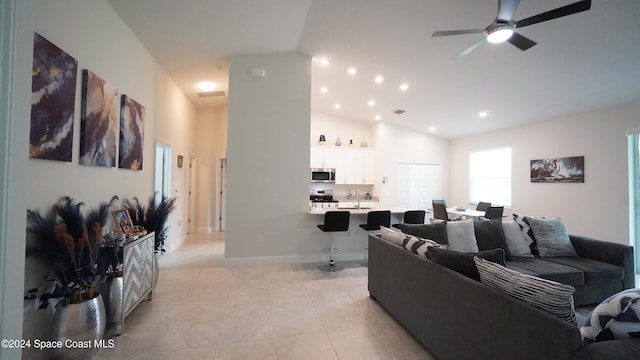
[582,62]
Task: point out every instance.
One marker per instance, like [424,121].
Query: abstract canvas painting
[567,169]
[99,121]
[53,97]
[131,134]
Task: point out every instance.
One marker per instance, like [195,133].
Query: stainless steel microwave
[325,175]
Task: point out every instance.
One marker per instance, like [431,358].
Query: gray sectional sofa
[459,318]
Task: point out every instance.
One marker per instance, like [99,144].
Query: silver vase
[156,270]
[77,326]
[112,293]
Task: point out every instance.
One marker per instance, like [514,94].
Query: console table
[135,284]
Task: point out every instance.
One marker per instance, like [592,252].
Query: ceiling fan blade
[457,32]
[556,13]
[521,42]
[466,51]
[506,9]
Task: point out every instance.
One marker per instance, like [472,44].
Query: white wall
[395,144]
[16,44]
[333,127]
[268,155]
[102,43]
[599,207]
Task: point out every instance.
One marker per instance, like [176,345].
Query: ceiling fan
[503,27]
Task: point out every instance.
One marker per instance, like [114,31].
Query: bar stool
[334,221]
[412,217]
[375,219]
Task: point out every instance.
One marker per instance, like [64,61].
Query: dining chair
[494,212]
[483,206]
[440,210]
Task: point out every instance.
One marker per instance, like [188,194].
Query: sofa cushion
[516,242]
[617,317]
[461,236]
[490,235]
[391,235]
[419,246]
[463,262]
[594,271]
[547,270]
[551,237]
[551,296]
[436,232]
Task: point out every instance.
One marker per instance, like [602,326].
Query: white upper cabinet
[323,157]
[354,166]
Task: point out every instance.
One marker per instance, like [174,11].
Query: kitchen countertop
[321,211]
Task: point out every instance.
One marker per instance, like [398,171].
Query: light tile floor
[203,310]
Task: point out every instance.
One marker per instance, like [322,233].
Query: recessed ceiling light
[324,61]
[483,114]
[378,117]
[378,79]
[432,128]
[324,90]
[352,71]
[371,102]
[206,86]
[337,106]
[404,87]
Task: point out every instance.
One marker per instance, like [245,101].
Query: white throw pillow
[391,235]
[461,236]
[516,241]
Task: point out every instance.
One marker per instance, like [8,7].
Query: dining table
[467,213]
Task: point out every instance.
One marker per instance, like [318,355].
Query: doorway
[162,180]
[191,195]
[221,194]
[634,193]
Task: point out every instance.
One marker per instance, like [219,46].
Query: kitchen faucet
[358,198]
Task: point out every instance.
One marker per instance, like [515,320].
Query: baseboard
[292,259]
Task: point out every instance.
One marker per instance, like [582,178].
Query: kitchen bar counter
[321,211]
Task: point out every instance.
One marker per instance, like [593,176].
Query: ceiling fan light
[499,34]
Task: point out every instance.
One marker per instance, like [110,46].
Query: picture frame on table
[122,221]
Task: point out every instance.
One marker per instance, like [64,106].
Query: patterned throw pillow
[419,246]
[551,296]
[617,317]
[552,238]
[523,221]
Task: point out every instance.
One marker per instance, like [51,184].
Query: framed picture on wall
[564,170]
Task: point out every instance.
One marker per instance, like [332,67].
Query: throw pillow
[515,239]
[490,235]
[551,296]
[436,232]
[419,246]
[523,221]
[463,262]
[391,235]
[617,317]
[551,237]
[461,236]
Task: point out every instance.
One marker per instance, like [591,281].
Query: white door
[191,196]
[221,194]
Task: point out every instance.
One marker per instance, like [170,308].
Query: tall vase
[156,270]
[112,292]
[76,325]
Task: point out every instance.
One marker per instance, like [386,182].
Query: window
[490,177]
